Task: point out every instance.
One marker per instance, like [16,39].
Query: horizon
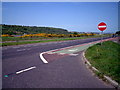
[62,28]
[72,16]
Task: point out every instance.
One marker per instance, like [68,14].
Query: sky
[73,16]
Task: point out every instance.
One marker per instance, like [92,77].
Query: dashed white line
[72,50]
[25,46]
[21,50]
[73,54]
[35,45]
[25,70]
[61,53]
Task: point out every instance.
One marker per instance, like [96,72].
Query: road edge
[111,81]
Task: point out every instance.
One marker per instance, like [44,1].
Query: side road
[72,49]
[69,71]
[74,60]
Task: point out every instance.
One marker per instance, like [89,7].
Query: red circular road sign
[102,26]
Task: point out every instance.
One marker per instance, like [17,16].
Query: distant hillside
[17,30]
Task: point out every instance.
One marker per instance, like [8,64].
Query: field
[106,58]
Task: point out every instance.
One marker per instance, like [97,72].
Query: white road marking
[72,50]
[21,50]
[61,53]
[27,45]
[42,58]
[55,50]
[25,70]
[73,54]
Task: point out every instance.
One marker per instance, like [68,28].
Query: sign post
[102,26]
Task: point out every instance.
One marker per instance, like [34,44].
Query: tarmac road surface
[23,68]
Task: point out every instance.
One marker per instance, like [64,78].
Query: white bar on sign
[101,26]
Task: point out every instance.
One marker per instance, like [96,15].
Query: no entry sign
[102,26]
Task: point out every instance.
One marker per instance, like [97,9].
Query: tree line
[34,31]
[20,30]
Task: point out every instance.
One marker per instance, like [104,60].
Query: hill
[19,30]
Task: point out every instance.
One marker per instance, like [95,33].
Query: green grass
[28,40]
[40,38]
[40,41]
[18,38]
[35,38]
[106,58]
[19,42]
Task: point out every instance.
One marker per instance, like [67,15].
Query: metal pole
[101,37]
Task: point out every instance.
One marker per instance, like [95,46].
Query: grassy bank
[106,58]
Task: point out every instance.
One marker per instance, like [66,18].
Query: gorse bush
[56,35]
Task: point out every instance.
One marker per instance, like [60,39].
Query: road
[64,72]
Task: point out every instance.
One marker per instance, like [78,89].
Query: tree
[118,32]
[75,33]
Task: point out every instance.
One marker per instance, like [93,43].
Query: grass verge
[43,40]
[105,58]
[40,41]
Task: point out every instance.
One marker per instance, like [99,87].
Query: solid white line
[42,58]
[25,70]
